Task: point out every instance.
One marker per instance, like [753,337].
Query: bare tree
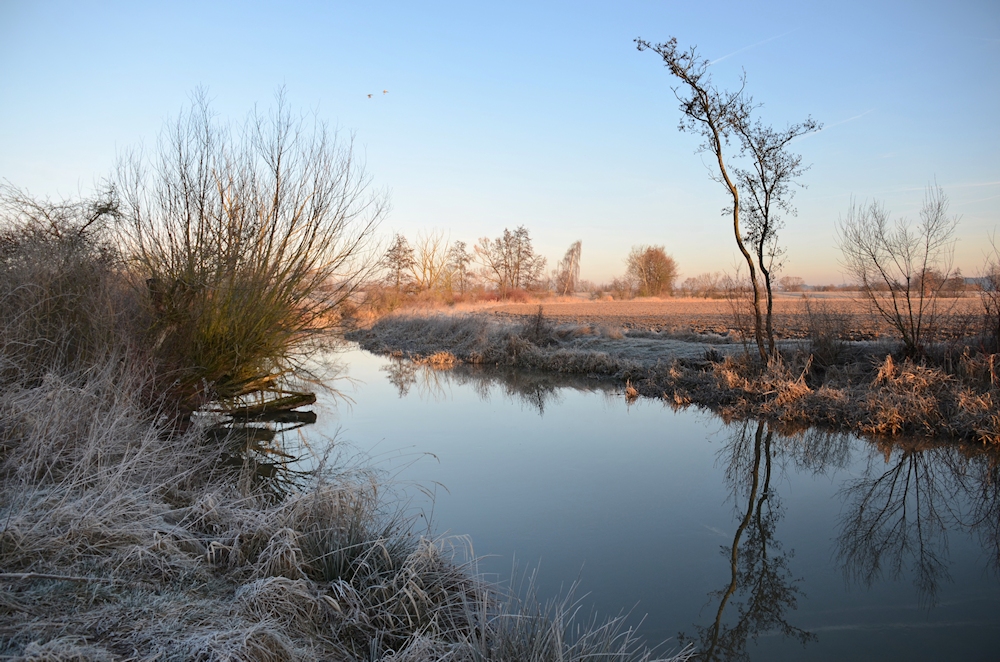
[652,270]
[567,274]
[431,260]
[509,261]
[767,190]
[459,259]
[399,262]
[719,115]
[713,114]
[891,262]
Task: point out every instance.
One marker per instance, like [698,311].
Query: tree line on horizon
[506,267]
[433,269]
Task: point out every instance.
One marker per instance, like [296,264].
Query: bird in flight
[369,96]
[385,91]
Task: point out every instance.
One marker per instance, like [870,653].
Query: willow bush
[249,236]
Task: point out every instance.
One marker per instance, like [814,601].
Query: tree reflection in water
[900,511]
[536,390]
[402,374]
[896,519]
[759,567]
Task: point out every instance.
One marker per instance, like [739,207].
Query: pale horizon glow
[542,115]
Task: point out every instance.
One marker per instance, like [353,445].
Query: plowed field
[794,315]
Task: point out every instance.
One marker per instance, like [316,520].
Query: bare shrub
[893,262]
[248,238]
[739,295]
[791,284]
[826,332]
[707,285]
[65,298]
[621,288]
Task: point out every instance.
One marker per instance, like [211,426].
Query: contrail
[746,48]
[849,119]
[830,126]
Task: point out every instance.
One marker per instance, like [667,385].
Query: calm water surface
[843,550]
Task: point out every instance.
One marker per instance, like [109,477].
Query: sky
[540,114]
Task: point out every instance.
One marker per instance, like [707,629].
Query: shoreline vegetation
[152,346]
[868,388]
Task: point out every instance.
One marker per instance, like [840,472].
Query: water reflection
[896,520]
[901,519]
[901,509]
[536,390]
[761,580]
[263,446]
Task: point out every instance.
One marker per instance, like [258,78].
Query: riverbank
[151,508]
[861,387]
[124,538]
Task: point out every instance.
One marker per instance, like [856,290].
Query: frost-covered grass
[127,532]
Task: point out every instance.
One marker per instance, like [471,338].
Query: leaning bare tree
[251,236]
[719,115]
[567,274]
[891,262]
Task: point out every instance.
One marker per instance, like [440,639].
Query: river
[845,549]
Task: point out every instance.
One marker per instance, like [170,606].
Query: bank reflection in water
[536,390]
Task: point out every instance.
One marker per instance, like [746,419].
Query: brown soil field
[794,315]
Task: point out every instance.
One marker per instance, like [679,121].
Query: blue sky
[534,113]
